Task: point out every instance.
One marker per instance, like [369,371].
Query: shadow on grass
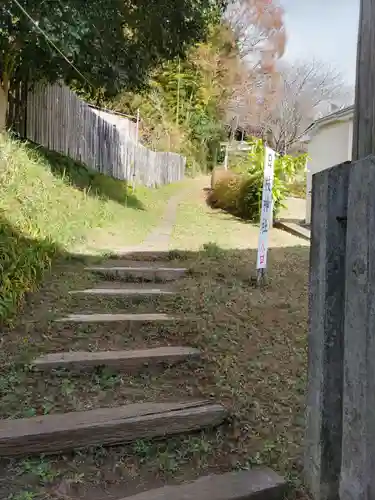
[82,177]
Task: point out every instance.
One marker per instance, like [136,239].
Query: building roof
[343,114]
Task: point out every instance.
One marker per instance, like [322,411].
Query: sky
[323,29]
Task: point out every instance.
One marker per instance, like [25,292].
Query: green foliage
[182,109]
[114,44]
[23,495]
[297,188]
[241,191]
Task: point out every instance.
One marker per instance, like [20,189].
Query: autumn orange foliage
[259,29]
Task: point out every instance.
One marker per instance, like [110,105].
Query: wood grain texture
[123,360]
[53,434]
[257,484]
[325,336]
[358,430]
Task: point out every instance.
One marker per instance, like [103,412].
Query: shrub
[225,192]
[240,190]
[218,174]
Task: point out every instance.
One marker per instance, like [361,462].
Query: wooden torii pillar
[340,423]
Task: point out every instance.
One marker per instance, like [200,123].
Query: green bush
[23,262]
[241,192]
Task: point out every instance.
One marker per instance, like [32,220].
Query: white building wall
[331,145]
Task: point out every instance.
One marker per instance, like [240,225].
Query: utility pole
[364,109]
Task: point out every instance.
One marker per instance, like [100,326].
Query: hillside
[52,207]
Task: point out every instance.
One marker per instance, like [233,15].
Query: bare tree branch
[304,90]
[258,28]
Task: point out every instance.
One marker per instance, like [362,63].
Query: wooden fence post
[358,448]
[326,326]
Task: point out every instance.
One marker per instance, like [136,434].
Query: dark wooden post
[364,110]
[358,425]
[326,327]
[340,435]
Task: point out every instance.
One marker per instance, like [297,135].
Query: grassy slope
[50,206]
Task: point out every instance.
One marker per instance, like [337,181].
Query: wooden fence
[56,118]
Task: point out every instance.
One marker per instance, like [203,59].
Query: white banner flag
[266,217]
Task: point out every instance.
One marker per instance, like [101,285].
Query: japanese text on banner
[267,208]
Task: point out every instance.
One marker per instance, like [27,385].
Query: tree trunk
[3,107]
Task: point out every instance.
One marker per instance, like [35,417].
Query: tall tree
[111,44]
[306,91]
[302,91]
[258,27]
[183,108]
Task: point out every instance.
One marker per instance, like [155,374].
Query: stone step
[254,484]
[144,271]
[122,360]
[54,434]
[116,317]
[114,289]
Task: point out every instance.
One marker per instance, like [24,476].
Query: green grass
[197,224]
[297,188]
[51,206]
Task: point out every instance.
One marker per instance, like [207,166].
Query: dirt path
[159,238]
[253,360]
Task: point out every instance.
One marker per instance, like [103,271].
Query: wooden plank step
[123,360]
[254,484]
[136,263]
[112,288]
[52,434]
[138,270]
[109,317]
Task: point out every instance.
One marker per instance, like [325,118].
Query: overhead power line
[36,25]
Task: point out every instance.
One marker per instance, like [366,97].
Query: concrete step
[142,271]
[254,484]
[54,434]
[117,317]
[294,229]
[114,289]
[122,360]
